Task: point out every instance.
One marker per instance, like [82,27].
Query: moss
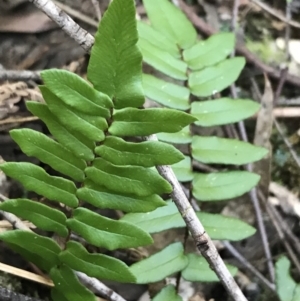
[266,49]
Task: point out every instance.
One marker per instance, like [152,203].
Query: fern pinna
[97,166]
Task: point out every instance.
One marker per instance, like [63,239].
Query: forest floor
[29,40]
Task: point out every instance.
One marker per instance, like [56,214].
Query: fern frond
[95,166]
[203,70]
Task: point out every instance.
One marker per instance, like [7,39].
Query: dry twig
[97,9]
[276,14]
[11,120]
[248,265]
[277,224]
[77,14]
[19,75]
[65,22]
[287,230]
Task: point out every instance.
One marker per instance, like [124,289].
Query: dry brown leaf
[12,93]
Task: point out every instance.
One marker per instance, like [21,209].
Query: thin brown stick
[287,35]
[81,36]
[282,237]
[24,274]
[280,233]
[18,120]
[282,80]
[201,238]
[287,230]
[97,9]
[76,14]
[287,143]
[248,265]
[276,14]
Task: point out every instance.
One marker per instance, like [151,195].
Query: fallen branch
[201,238]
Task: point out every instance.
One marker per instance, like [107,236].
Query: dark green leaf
[95,265]
[75,92]
[225,151]
[101,197]
[223,185]
[165,93]
[104,232]
[74,142]
[183,170]
[50,152]
[182,137]
[35,244]
[212,80]
[209,52]
[147,154]
[38,260]
[285,284]
[67,285]
[163,61]
[86,125]
[115,50]
[34,178]
[223,111]
[135,122]
[127,179]
[44,217]
[168,217]
[171,21]
[56,295]
[160,265]
[198,269]
[167,293]
[158,39]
